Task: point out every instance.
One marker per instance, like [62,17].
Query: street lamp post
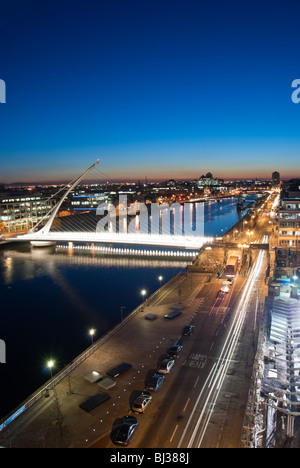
[92,333]
[160,278]
[143,293]
[121,310]
[50,365]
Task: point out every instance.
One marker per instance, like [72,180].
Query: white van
[225,286]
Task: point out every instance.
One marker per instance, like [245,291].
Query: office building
[20,213]
[289,216]
[275,178]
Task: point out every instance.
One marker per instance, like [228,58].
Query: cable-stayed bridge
[183,242]
[169,227]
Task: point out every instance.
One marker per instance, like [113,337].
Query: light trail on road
[206,401]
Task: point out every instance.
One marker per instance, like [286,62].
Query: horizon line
[138,181]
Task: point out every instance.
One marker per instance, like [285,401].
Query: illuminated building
[20,213]
[289,216]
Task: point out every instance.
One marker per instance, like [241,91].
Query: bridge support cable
[171,226]
[48,225]
[54,210]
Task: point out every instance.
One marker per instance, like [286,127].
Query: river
[50,299]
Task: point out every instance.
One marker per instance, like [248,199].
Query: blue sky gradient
[163,89]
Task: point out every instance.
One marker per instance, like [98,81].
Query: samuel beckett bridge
[175,227]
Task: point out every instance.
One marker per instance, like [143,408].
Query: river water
[50,299]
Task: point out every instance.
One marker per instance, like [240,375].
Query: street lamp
[50,365]
[121,310]
[160,278]
[92,333]
[143,292]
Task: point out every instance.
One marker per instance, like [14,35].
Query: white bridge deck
[159,240]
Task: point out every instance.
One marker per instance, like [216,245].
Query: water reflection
[209,218]
[221,216]
[27,263]
[49,301]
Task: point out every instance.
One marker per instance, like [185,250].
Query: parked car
[174,351]
[141,402]
[125,432]
[166,366]
[173,314]
[188,330]
[155,383]
[118,370]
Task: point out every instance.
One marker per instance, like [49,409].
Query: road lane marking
[196,360]
[197,380]
[216,376]
[174,432]
[188,400]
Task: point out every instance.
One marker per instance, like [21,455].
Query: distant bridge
[44,236]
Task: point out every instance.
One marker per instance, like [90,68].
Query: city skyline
[159,90]
[159,181]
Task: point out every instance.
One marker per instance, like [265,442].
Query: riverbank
[55,406]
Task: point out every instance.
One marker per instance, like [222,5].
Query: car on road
[225,286]
[126,430]
[155,383]
[174,351]
[166,366]
[188,330]
[141,402]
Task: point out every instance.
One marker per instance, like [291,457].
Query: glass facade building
[21,213]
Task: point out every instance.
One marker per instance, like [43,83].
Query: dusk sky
[156,88]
